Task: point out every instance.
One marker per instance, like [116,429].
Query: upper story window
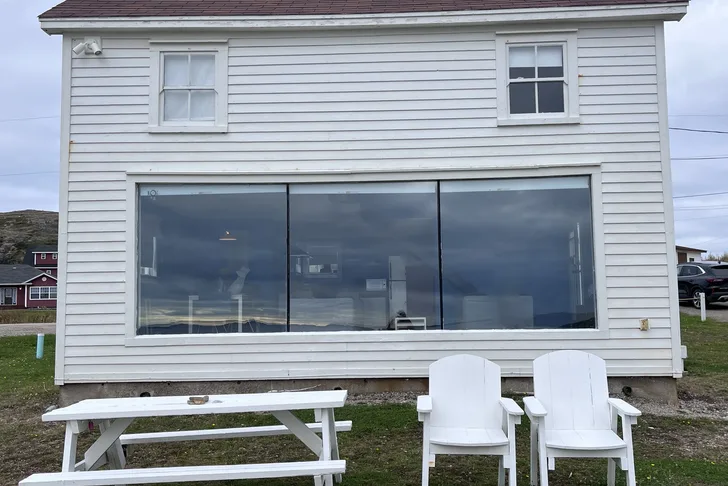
[55,256]
[43,256]
[189,87]
[537,79]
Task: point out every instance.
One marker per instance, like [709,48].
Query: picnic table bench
[114,415]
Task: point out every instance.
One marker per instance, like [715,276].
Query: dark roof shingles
[217,8]
[15,274]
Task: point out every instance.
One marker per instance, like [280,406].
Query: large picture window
[364,257]
[476,254]
[212,259]
[517,254]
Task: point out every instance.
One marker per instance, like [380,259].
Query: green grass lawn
[384,446]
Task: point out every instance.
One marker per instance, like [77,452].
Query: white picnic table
[114,415]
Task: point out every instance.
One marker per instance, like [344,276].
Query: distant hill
[20,230]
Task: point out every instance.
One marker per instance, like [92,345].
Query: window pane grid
[43,293]
[199,77]
[526,66]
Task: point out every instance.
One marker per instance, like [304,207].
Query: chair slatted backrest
[572,386]
[465,391]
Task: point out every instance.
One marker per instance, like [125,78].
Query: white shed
[348,193]
[687,254]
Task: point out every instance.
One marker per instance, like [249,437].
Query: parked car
[708,277]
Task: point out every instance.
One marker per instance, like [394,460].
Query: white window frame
[40,293]
[568,39]
[55,256]
[43,256]
[157,50]
[591,169]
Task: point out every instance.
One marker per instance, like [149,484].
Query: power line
[707,115]
[704,217]
[29,173]
[698,131]
[701,157]
[701,195]
[28,119]
[701,208]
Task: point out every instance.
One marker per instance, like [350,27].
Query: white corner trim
[677,361]
[65,155]
[622,12]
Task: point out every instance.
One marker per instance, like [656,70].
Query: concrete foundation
[662,389]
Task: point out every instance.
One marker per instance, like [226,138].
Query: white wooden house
[343,190]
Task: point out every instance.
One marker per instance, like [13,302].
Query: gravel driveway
[26,329]
[718,312]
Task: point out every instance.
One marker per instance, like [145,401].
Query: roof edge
[689,248]
[664,12]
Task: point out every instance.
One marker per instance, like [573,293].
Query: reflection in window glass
[364,257]
[517,254]
[211,259]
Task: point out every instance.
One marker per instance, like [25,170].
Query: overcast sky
[698,95]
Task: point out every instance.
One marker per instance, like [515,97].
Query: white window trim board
[157,49]
[593,170]
[569,39]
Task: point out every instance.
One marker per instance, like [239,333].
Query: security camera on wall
[88,46]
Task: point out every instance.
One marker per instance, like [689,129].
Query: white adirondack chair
[465,414]
[573,416]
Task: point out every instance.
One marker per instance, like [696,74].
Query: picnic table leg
[69,446]
[115,453]
[334,442]
[307,436]
[326,425]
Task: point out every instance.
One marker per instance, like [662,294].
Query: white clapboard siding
[363,100]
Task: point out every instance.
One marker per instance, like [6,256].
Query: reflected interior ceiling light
[227,237]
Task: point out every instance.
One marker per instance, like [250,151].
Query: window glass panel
[522,62]
[175,105]
[202,70]
[45,293]
[202,105]
[54,292]
[518,257]
[211,259]
[364,257]
[522,97]
[35,293]
[176,70]
[550,61]
[551,97]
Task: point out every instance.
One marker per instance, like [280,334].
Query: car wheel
[696,299]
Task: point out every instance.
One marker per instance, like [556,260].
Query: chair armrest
[424,407]
[624,408]
[534,408]
[510,406]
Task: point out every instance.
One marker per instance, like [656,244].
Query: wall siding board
[363,100]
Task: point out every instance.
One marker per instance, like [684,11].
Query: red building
[44,258]
[26,287]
